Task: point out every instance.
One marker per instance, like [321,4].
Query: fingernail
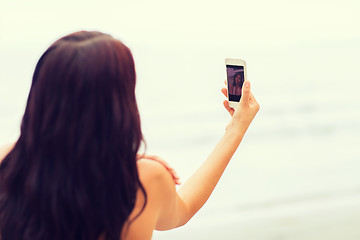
[247,84]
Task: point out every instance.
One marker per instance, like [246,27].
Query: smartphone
[236,76]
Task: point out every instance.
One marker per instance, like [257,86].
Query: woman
[236,87]
[75,172]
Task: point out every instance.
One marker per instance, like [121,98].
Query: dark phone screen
[235,81]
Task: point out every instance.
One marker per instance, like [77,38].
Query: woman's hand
[244,112]
[173,173]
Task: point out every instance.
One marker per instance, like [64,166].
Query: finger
[224,91]
[252,98]
[246,93]
[228,108]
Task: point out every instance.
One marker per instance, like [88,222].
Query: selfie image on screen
[235,80]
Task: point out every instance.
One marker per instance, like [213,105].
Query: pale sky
[183,22]
[282,32]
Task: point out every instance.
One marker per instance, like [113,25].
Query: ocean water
[296,173]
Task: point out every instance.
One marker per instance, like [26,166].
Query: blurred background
[296,173]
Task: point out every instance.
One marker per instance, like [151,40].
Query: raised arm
[178,208]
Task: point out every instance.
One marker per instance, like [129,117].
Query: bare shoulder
[156,181]
[163,200]
[5,149]
[151,171]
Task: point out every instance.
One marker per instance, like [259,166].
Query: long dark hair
[240,84]
[72,173]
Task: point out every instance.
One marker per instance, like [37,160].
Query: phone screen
[235,81]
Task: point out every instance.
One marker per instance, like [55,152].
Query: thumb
[246,91]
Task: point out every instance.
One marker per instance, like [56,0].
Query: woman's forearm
[198,188]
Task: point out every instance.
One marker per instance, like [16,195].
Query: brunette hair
[241,79]
[72,173]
